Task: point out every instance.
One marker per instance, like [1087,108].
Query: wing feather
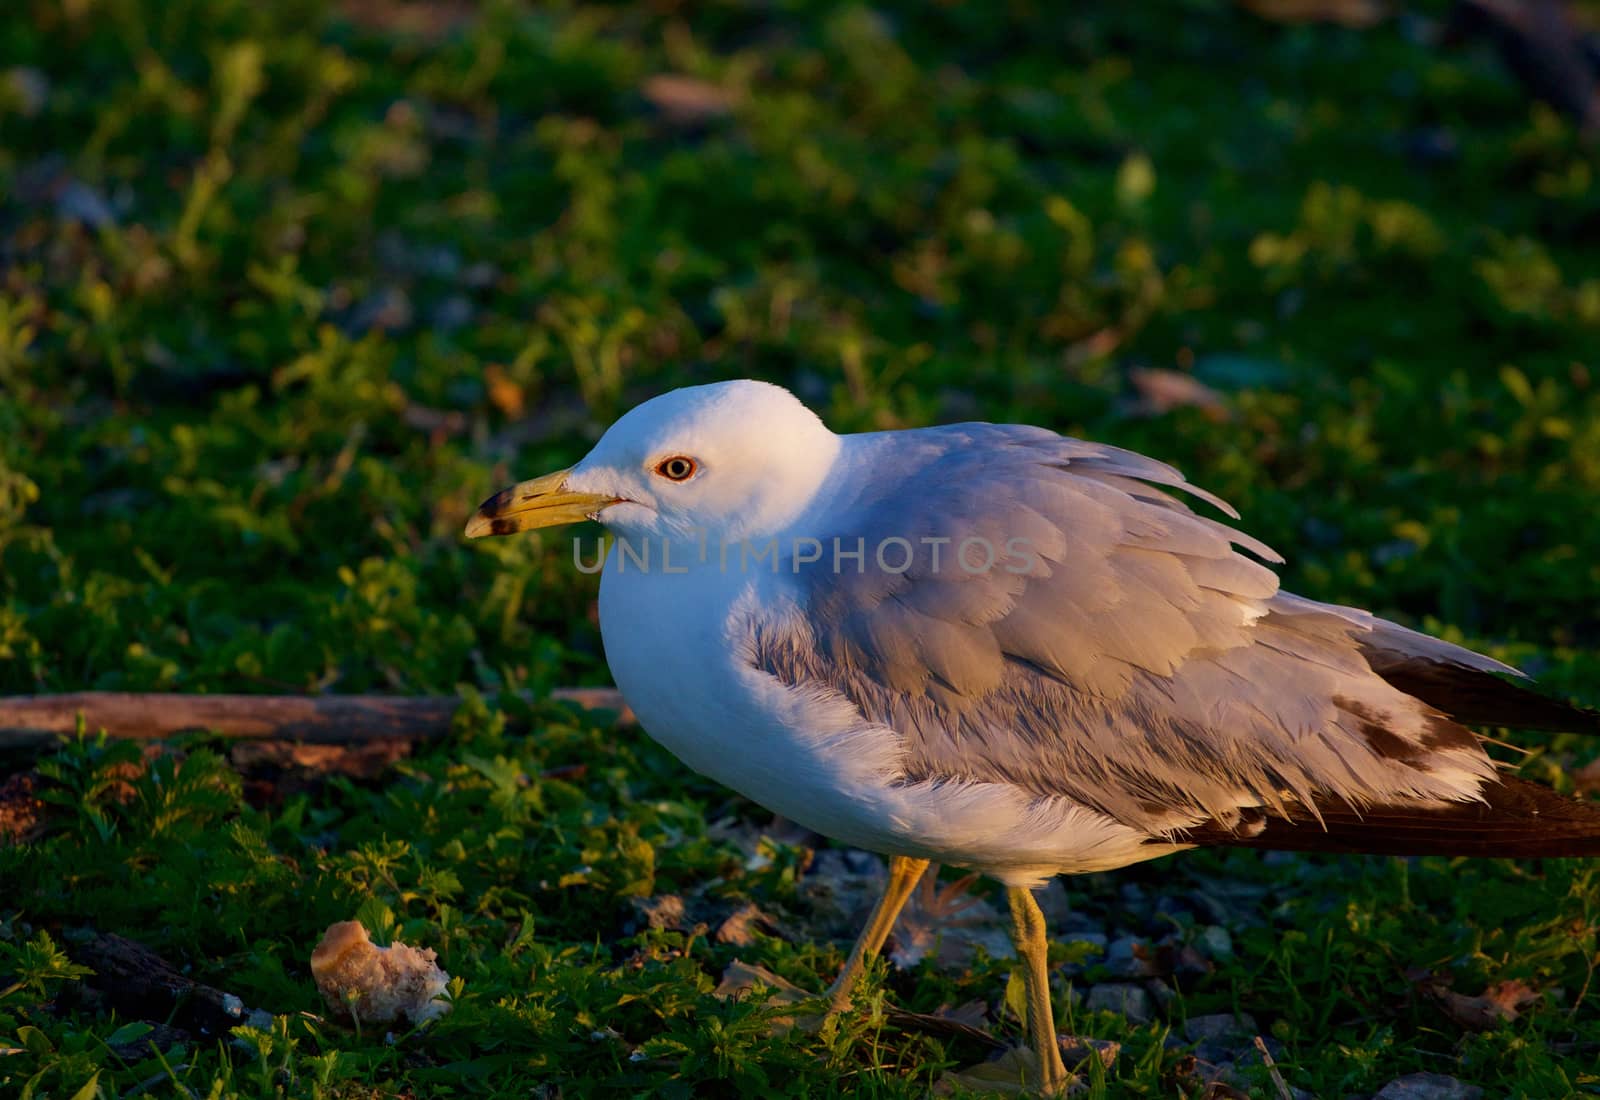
[1140,665]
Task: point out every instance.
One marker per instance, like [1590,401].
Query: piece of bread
[377,985]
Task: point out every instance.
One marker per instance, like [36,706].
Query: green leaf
[130,1032]
[1016,998]
[35,1041]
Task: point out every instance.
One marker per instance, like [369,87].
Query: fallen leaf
[1500,1003]
[21,814]
[1355,14]
[1511,997]
[1221,1090]
[366,760]
[432,20]
[1160,391]
[742,925]
[504,393]
[1077,1049]
[662,911]
[742,978]
[687,100]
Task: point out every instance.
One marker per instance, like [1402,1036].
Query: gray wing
[1136,663]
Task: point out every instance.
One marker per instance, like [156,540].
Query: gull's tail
[1518,819]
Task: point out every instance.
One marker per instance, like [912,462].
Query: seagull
[997,647]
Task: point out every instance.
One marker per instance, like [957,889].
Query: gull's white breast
[678,648]
[671,641]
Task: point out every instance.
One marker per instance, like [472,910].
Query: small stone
[1187,960]
[1219,1026]
[1208,906]
[77,201]
[1077,1049]
[1122,998]
[1055,904]
[1428,1086]
[1086,948]
[387,308]
[452,313]
[1130,957]
[1215,943]
[27,88]
[1083,922]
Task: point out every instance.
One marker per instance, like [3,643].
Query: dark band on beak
[543,502]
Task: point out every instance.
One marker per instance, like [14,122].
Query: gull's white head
[731,460]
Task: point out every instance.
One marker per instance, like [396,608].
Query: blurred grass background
[287,288]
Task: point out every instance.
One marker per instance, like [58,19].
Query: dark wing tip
[1476,697]
[1518,819]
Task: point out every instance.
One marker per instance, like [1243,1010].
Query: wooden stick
[143,986]
[37,721]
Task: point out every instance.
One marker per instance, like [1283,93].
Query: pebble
[1097,939]
[1130,957]
[1076,1049]
[1120,997]
[1218,1026]
[1428,1086]
[1215,943]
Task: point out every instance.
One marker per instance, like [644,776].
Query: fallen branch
[141,985]
[33,722]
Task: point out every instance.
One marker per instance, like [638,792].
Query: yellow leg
[1033,946]
[903,877]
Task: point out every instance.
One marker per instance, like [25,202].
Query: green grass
[285,291]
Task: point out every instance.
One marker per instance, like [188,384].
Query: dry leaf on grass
[687,100]
[664,911]
[1078,1049]
[741,979]
[504,393]
[21,814]
[431,19]
[1498,1004]
[742,925]
[1160,391]
[366,760]
[1355,14]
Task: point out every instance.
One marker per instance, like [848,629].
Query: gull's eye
[676,468]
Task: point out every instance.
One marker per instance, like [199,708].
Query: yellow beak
[542,502]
